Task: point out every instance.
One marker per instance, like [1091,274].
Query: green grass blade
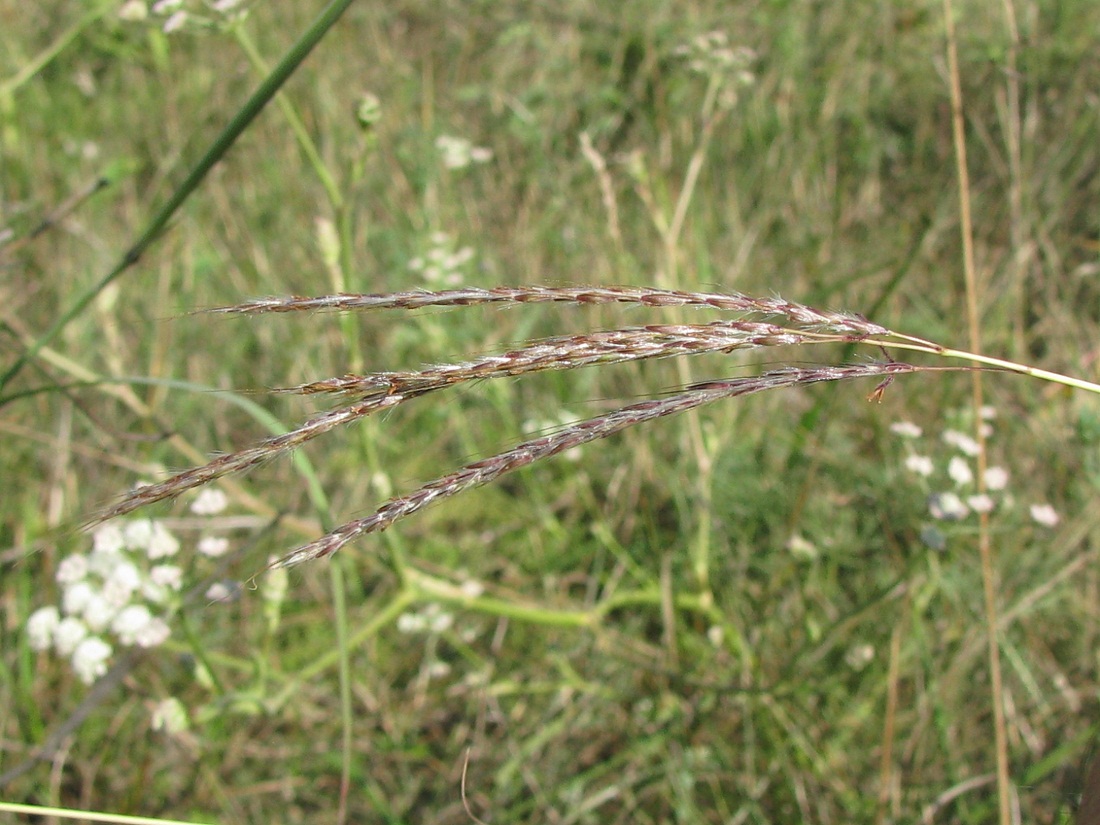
[48,54]
[233,130]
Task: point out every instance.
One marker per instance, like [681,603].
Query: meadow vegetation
[767,609]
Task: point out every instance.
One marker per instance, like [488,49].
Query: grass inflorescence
[745,606]
[384,390]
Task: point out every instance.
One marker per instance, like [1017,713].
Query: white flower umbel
[209,502]
[133,11]
[906,429]
[121,583]
[130,622]
[69,633]
[164,580]
[90,659]
[711,54]
[980,503]
[41,627]
[220,592]
[438,619]
[411,623]
[137,534]
[108,539]
[458,153]
[170,716]
[802,548]
[123,591]
[996,478]
[213,546]
[153,634]
[175,22]
[442,264]
[72,569]
[162,544]
[920,464]
[961,442]
[98,612]
[1045,515]
[76,597]
[859,656]
[947,507]
[431,619]
[959,471]
[471,588]
[967,497]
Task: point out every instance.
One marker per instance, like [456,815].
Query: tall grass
[740,613]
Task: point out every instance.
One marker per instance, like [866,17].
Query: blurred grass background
[838,678]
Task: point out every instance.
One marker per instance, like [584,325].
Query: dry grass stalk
[573,351]
[794,313]
[387,389]
[383,390]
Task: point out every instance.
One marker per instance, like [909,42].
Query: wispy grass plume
[798,325]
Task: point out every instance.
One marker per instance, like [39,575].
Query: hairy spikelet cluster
[488,469]
[794,313]
[762,322]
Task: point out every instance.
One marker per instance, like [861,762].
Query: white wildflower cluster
[950,475]
[170,716]
[859,656]
[123,591]
[133,11]
[177,15]
[432,618]
[1044,514]
[458,153]
[443,264]
[802,548]
[710,54]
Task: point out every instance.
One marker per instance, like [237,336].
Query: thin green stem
[345,262]
[196,648]
[87,816]
[297,125]
[350,322]
[673,228]
[430,588]
[985,546]
[340,614]
[402,601]
[920,345]
[46,56]
[423,587]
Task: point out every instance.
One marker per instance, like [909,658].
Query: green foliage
[701,620]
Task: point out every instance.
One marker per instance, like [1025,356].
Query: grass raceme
[761,322]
